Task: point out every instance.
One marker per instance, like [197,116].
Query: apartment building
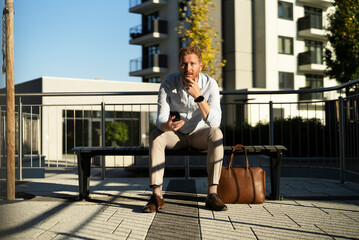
[268,44]
[158,38]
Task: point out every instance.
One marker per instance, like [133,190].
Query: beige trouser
[204,138]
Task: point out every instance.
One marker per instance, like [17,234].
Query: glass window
[285,45]
[285,10]
[183,42]
[316,18]
[314,81]
[316,49]
[152,80]
[184,10]
[148,53]
[122,129]
[286,80]
[147,22]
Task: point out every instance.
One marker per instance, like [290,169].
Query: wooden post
[10,98]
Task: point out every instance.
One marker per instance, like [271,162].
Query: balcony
[310,62]
[317,3]
[148,66]
[156,32]
[311,27]
[146,6]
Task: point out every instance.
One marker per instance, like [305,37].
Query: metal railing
[136,2]
[320,134]
[155,26]
[310,21]
[155,60]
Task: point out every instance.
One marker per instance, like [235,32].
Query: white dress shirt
[173,96]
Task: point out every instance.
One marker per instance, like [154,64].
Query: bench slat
[256,149]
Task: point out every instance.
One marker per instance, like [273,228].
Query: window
[286,80]
[316,49]
[148,56]
[83,128]
[183,42]
[184,10]
[314,81]
[278,113]
[315,16]
[152,80]
[147,22]
[285,10]
[285,45]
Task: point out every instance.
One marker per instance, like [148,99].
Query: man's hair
[189,50]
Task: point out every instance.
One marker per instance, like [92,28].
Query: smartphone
[177,116]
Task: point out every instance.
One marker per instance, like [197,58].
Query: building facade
[268,44]
[158,37]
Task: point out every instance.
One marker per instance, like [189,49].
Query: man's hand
[192,87]
[170,125]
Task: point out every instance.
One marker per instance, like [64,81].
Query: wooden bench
[84,155]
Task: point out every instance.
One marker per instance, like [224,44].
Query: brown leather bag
[242,185]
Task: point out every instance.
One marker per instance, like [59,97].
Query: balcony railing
[310,21]
[157,30]
[309,57]
[311,61]
[311,27]
[318,134]
[148,65]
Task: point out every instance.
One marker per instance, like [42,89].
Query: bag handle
[245,153]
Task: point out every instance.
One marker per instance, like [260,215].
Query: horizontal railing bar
[155,103]
[237,92]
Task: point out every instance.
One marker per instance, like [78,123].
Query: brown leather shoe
[154,204]
[215,203]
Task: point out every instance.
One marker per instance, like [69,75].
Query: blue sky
[74,39]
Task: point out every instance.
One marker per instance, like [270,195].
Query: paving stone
[114,211]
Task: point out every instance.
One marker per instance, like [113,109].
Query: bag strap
[245,153]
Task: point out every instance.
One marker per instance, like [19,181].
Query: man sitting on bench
[189,114]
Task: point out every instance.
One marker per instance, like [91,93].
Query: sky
[73,39]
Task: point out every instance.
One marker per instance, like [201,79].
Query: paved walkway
[47,209]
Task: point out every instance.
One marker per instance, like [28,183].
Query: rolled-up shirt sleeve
[215,114]
[163,107]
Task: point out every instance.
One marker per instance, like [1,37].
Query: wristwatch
[199,99]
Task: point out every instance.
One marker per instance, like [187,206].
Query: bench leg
[275,165]
[84,170]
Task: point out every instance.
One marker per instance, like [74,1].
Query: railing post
[3,127]
[341,139]
[187,167]
[103,140]
[271,136]
[20,149]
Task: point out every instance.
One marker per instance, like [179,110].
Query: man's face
[190,67]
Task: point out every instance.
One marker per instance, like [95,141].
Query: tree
[197,29]
[116,133]
[342,56]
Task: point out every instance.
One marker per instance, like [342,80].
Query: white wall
[52,119]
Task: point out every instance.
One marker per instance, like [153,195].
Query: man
[195,96]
